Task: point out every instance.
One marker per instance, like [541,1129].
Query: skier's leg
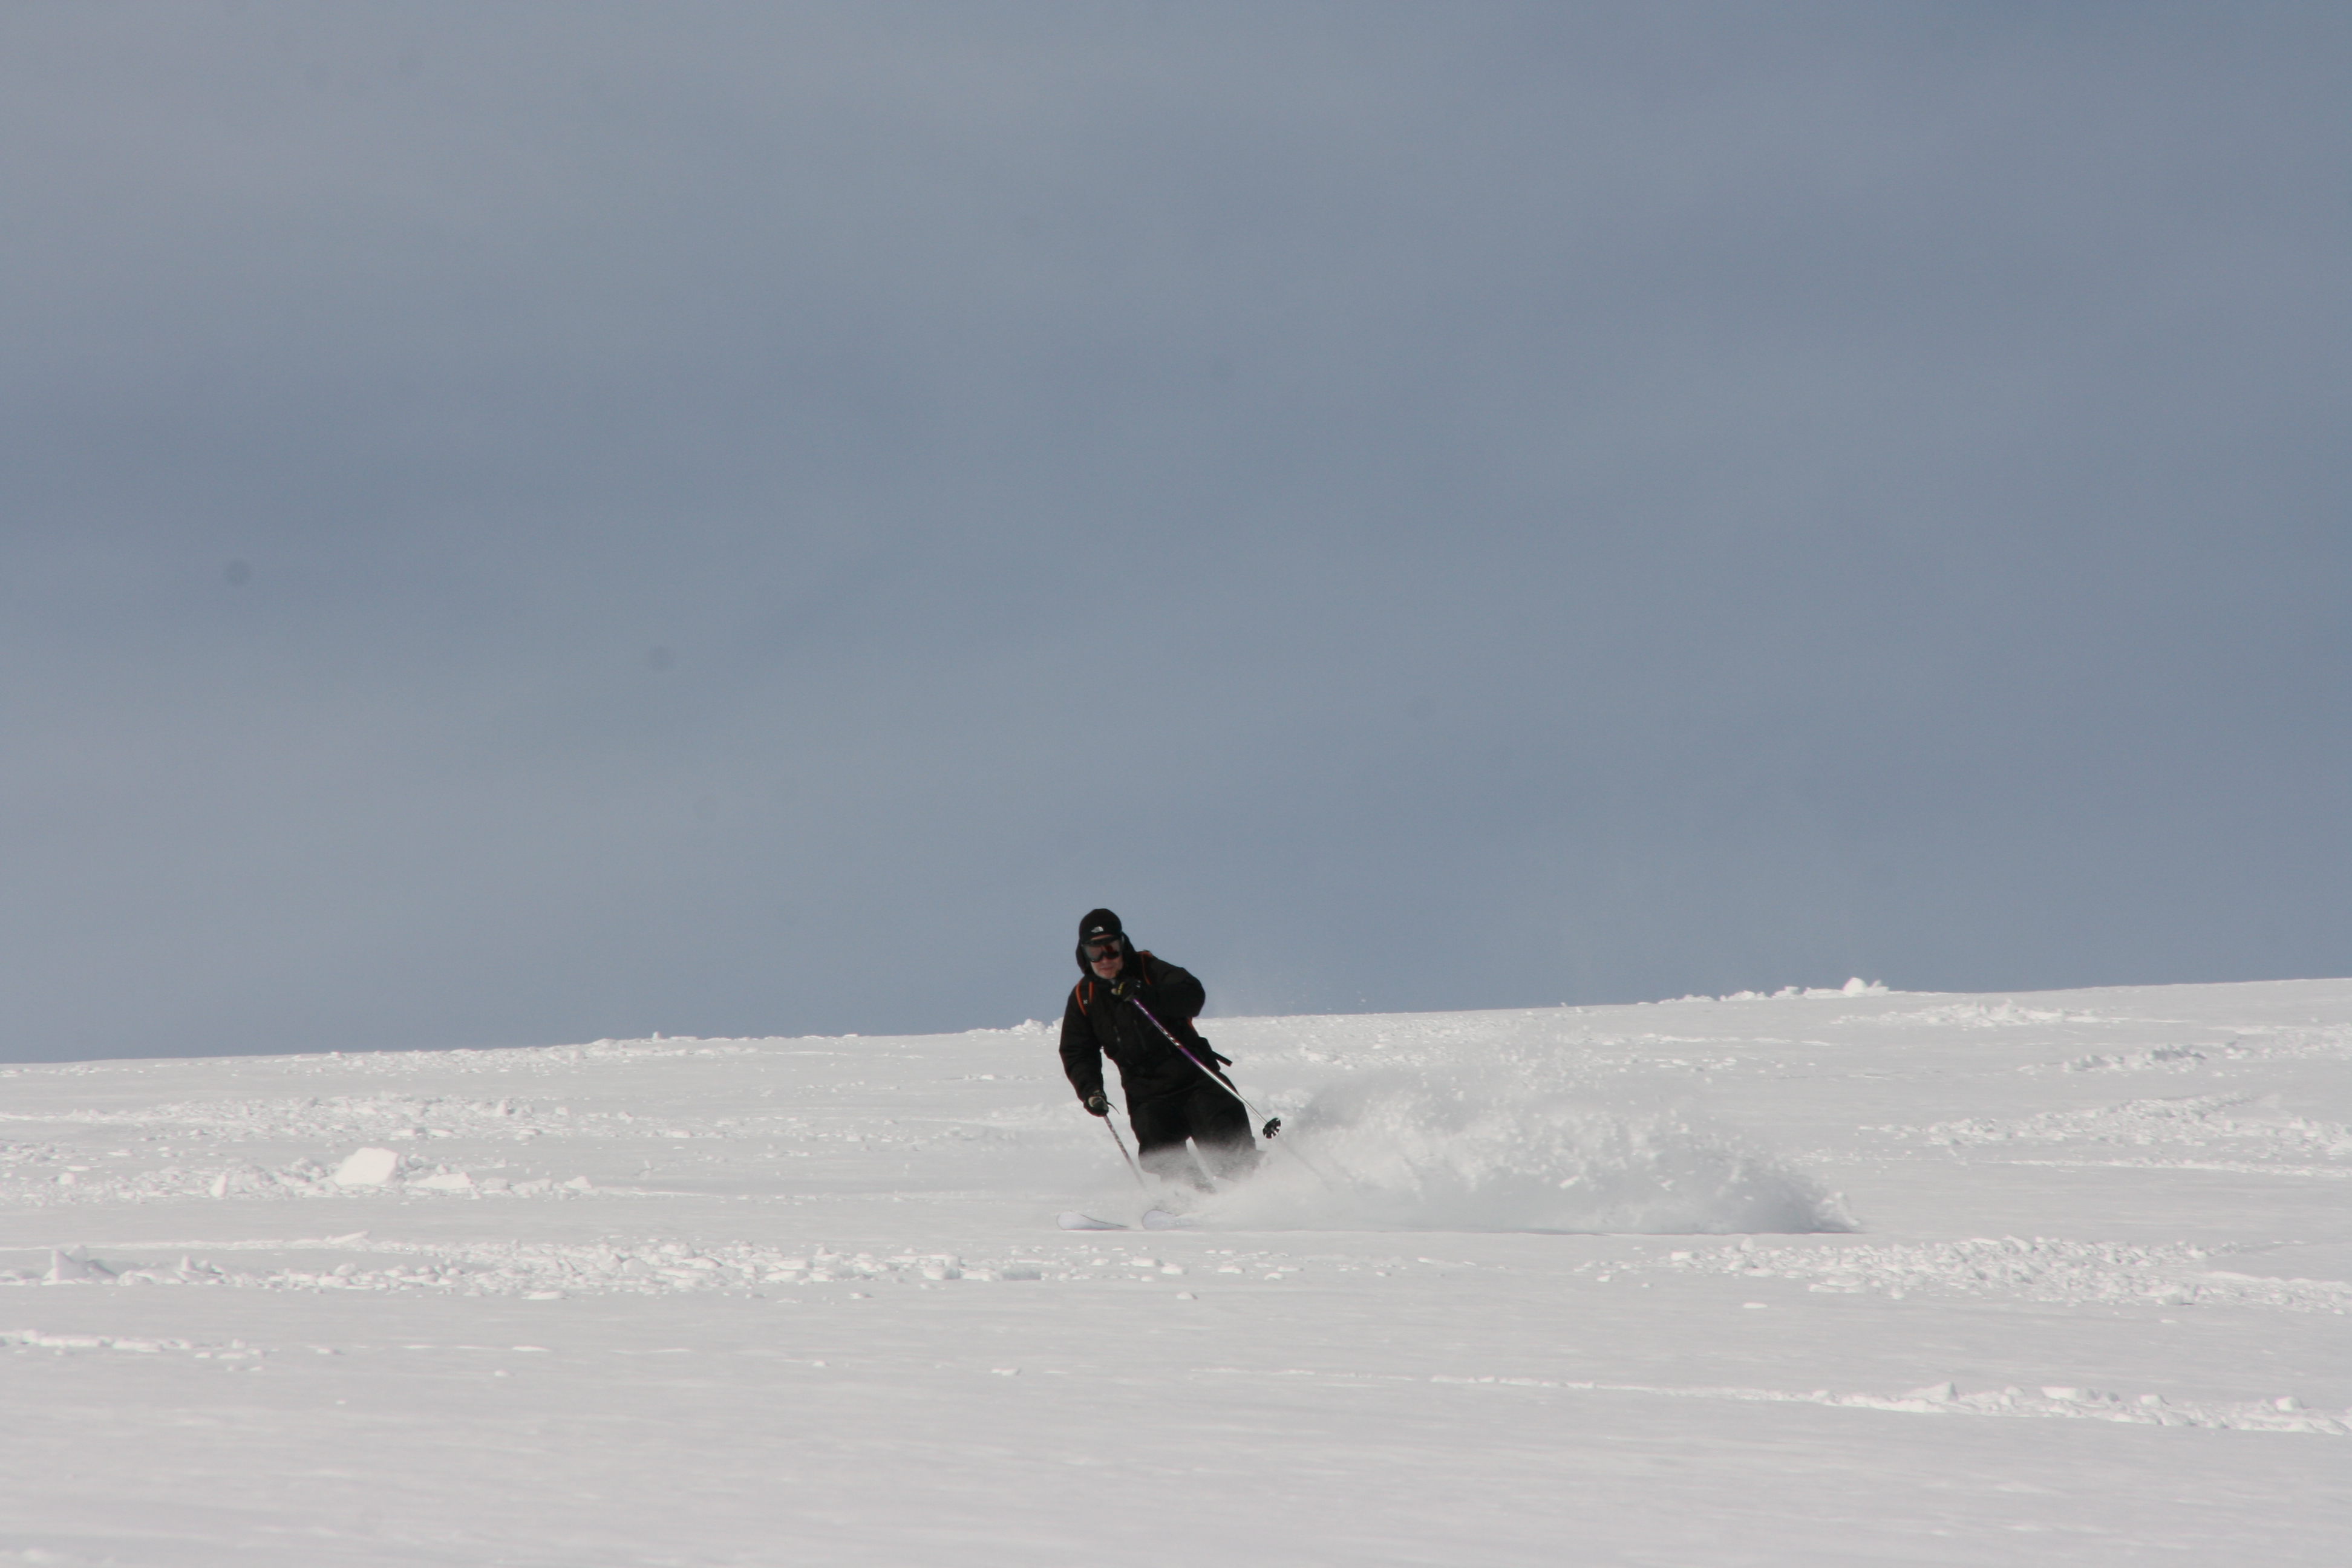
[1220,1131]
[1161,1126]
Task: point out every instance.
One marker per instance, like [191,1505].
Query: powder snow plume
[1415,1154]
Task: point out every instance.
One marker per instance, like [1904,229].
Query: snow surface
[1834,1275]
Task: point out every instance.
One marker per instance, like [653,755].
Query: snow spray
[1425,1154]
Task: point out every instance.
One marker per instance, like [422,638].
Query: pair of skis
[1153,1219]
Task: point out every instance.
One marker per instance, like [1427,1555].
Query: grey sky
[530,523]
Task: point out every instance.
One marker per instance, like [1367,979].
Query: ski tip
[1161,1220]
[1074,1220]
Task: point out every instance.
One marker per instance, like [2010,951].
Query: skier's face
[1108,958]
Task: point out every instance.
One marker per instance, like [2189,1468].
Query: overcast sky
[530,523]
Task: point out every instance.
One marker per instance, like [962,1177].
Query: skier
[1170,1096]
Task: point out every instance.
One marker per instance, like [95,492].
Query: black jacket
[1102,1020]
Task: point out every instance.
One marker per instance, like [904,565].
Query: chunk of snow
[364,1168]
[77,1264]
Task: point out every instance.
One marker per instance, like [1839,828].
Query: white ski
[1153,1219]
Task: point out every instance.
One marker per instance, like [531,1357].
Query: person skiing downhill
[1170,1096]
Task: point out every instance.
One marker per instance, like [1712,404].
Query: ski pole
[1218,1078]
[1123,1155]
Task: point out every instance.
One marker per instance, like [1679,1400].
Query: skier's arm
[1081,1053]
[1176,997]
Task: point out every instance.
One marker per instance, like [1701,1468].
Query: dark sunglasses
[1103,949]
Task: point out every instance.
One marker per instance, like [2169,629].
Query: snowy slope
[1824,1278]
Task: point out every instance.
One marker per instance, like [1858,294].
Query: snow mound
[1854,986]
[1415,1154]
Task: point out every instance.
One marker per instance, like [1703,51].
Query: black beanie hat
[1098,923]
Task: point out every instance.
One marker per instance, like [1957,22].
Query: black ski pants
[1211,1116]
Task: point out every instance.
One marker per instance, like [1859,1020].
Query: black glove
[1097,1106]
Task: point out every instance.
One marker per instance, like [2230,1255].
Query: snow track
[2043,1270]
[1943,1399]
